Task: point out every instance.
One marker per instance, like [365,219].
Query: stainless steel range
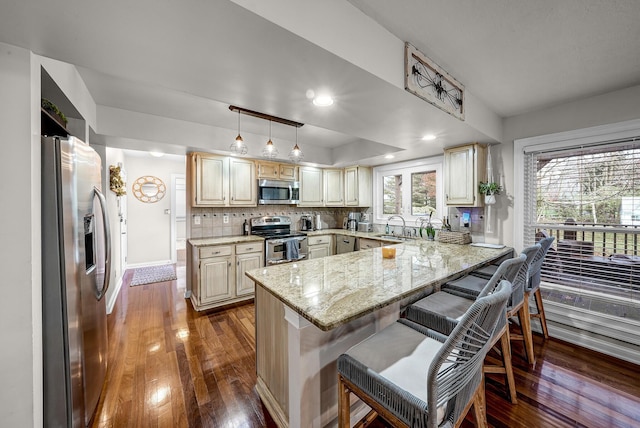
[281,245]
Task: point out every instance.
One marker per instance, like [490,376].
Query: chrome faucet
[404,224]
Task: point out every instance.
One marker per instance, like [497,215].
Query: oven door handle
[283,240]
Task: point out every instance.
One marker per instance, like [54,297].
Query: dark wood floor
[170,366]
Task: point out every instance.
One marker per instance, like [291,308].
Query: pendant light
[238,147]
[296,155]
[270,150]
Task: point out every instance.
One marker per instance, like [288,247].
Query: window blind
[588,198]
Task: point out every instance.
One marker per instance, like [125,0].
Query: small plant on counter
[428,230]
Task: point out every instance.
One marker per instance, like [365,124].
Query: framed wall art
[425,79]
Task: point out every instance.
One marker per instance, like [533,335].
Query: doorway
[178,219]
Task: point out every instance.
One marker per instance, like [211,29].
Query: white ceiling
[187,61]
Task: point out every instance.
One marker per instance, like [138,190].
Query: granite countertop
[222,240]
[334,290]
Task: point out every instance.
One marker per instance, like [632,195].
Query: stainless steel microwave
[278,192]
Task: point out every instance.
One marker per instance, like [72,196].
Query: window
[407,189]
[585,191]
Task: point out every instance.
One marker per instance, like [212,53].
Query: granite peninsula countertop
[334,290]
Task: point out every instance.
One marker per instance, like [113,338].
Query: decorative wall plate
[425,79]
[149,189]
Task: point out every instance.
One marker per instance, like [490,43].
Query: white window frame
[611,335]
[407,168]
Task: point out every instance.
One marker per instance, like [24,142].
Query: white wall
[149,227]
[20,306]
[604,109]
[113,157]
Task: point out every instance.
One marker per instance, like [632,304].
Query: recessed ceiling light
[156,154]
[389,157]
[323,100]
[429,137]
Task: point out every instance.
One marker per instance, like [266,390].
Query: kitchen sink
[395,237]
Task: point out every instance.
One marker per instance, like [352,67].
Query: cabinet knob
[250,248]
[229,264]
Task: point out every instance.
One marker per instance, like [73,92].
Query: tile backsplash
[211,220]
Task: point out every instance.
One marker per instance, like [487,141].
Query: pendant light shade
[296,155]
[270,151]
[238,147]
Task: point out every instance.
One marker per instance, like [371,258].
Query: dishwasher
[345,244]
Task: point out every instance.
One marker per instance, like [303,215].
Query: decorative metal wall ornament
[425,79]
[149,189]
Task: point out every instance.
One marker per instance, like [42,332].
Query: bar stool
[471,285]
[441,310]
[414,377]
[532,287]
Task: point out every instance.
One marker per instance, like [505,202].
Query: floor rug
[151,274]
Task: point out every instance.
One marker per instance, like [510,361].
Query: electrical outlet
[196,220]
[225,218]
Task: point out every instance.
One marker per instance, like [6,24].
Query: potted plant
[489,190]
[428,229]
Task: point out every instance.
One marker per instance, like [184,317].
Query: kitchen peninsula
[308,313]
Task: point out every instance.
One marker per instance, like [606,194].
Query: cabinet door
[242,182]
[245,262]
[288,172]
[461,180]
[310,186]
[268,170]
[357,186]
[364,243]
[211,180]
[333,188]
[319,251]
[215,279]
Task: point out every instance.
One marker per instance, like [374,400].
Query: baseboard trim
[111,303]
[271,404]
[156,263]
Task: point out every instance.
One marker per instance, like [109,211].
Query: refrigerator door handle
[107,243]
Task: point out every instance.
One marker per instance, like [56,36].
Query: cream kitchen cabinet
[311,194]
[248,256]
[276,171]
[210,179]
[218,273]
[221,181]
[214,273]
[365,243]
[320,246]
[333,184]
[357,186]
[464,169]
[243,189]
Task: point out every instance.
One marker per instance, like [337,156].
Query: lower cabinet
[320,246]
[365,243]
[218,274]
[248,256]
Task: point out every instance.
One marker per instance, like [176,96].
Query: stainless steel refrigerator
[75,276]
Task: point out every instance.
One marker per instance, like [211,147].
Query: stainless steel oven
[278,250]
[281,245]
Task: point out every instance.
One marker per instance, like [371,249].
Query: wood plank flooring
[170,366]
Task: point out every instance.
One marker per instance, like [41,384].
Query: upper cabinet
[276,171]
[333,187]
[220,181]
[242,183]
[357,186]
[311,187]
[464,169]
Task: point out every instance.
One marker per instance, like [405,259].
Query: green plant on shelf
[53,109]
